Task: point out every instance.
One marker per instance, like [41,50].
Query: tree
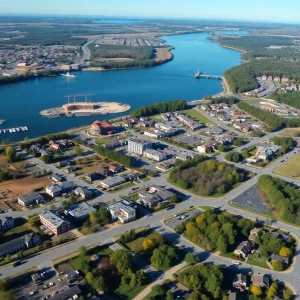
[175,199]
[158,290]
[140,277]
[83,251]
[32,222]
[77,150]
[169,295]
[256,290]
[272,292]
[8,258]
[194,296]
[73,198]
[122,260]
[20,254]
[191,259]
[10,153]
[222,244]
[133,281]
[164,256]
[148,244]
[85,266]
[284,251]
[278,265]
[104,215]
[94,219]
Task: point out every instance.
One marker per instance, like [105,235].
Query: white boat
[26,128]
[68,75]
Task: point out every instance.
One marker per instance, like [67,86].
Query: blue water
[22,102]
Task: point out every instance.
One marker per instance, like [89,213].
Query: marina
[14,130]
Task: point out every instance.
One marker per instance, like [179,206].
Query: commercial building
[165,166]
[83,193]
[123,211]
[6,223]
[31,199]
[69,293]
[154,195]
[189,122]
[80,211]
[112,182]
[138,146]
[55,223]
[154,155]
[25,242]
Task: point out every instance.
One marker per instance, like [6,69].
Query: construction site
[84,108]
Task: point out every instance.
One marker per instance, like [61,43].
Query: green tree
[272,291]
[7,258]
[122,260]
[104,215]
[169,295]
[83,251]
[191,259]
[20,254]
[222,244]
[278,265]
[77,150]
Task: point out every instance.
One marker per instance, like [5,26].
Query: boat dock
[14,130]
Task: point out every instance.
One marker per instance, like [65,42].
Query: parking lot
[50,284]
[191,139]
[251,200]
[172,223]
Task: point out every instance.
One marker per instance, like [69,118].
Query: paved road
[86,52]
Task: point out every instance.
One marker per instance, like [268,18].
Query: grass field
[136,246]
[291,168]
[197,116]
[121,187]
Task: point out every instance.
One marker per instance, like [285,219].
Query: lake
[22,102]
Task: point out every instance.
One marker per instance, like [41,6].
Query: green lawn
[259,262]
[15,233]
[194,114]
[136,246]
[121,187]
[101,250]
[128,292]
[291,168]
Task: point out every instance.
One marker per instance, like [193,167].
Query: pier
[14,130]
[211,76]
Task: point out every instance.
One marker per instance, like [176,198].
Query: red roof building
[99,127]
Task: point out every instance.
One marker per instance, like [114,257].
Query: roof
[84,191]
[240,277]
[80,210]
[234,296]
[67,294]
[16,242]
[3,220]
[121,205]
[258,279]
[56,177]
[53,218]
[101,125]
[32,197]
[280,258]
[113,180]
[139,141]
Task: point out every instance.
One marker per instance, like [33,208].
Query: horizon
[169,9]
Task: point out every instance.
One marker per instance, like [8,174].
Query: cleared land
[22,186]
[197,116]
[291,168]
[163,54]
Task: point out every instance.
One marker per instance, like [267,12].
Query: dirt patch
[14,188]
[163,54]
[293,132]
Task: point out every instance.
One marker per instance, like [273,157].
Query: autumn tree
[148,244]
[10,153]
[272,291]
[31,222]
[77,150]
[256,290]
[284,251]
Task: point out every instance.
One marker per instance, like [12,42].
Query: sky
[247,10]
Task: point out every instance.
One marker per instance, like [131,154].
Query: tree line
[292,99]
[284,197]
[124,160]
[158,108]
[206,177]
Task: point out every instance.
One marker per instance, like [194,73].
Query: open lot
[14,188]
[91,164]
[291,168]
[252,200]
[197,116]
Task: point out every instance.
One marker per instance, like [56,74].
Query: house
[70,274]
[56,189]
[102,128]
[283,259]
[154,195]
[133,177]
[189,122]
[205,107]
[240,282]
[225,139]
[54,222]
[56,178]
[93,176]
[112,182]
[115,168]
[25,242]
[294,86]
[154,155]
[138,146]
[30,199]
[214,131]
[80,211]
[123,211]
[114,145]
[182,156]
[158,134]
[283,237]
[270,78]
[55,146]
[243,249]
[163,126]
[104,173]
[83,193]
[70,169]
[285,80]
[261,280]
[277,79]
[253,234]
[63,163]
[6,223]
[206,148]
[257,125]
[68,293]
